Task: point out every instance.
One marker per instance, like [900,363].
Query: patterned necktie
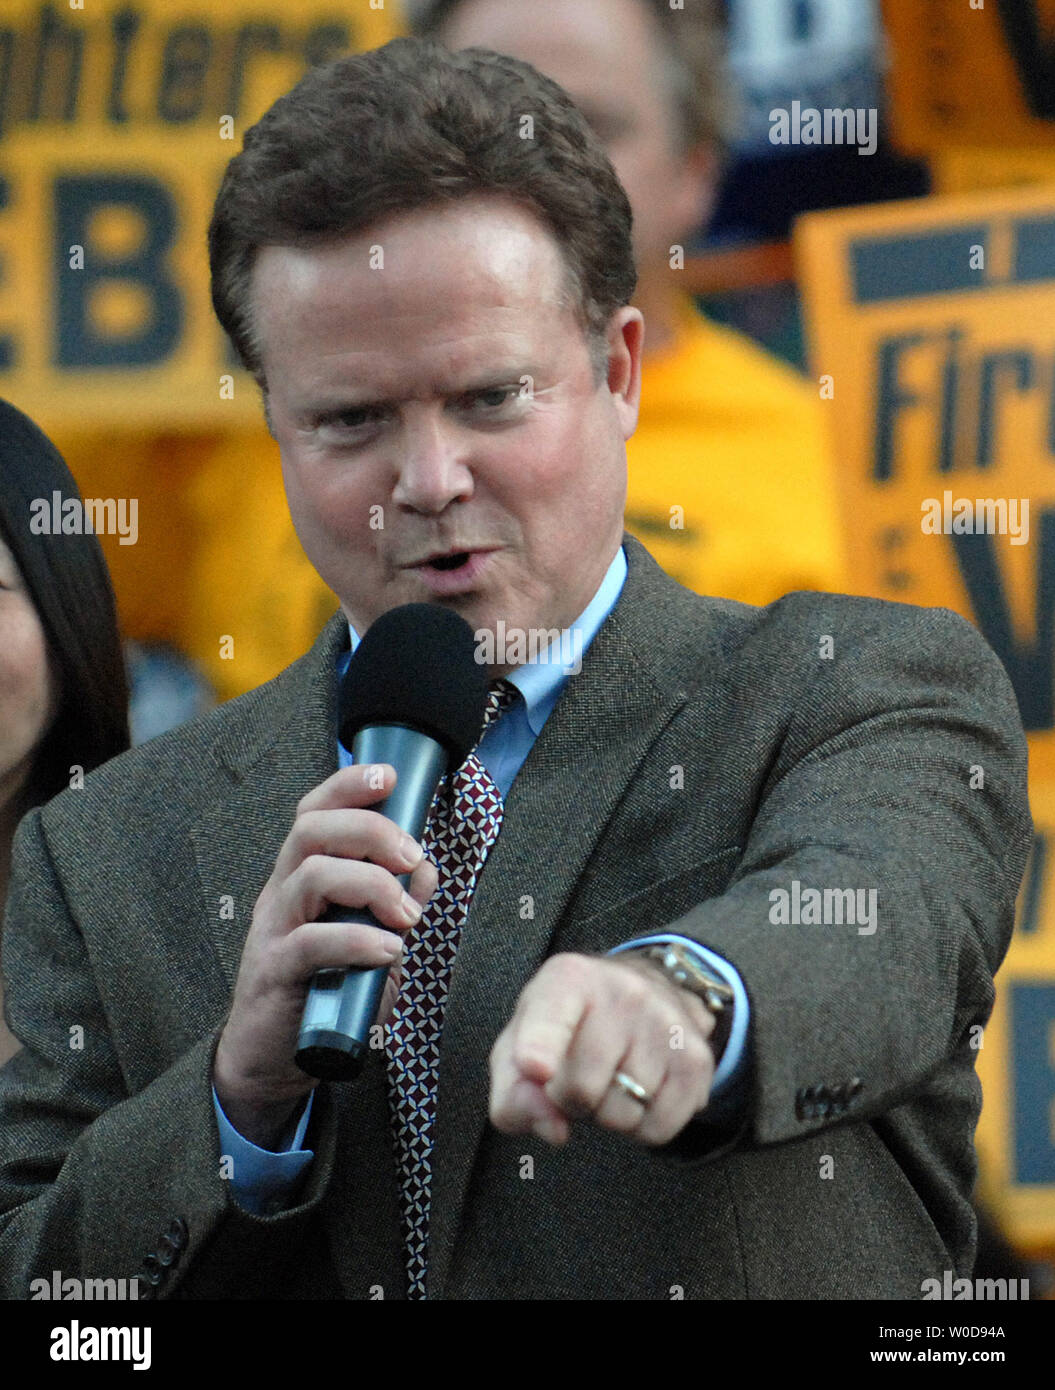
[463,824]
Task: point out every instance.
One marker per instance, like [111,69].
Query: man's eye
[353,419]
[493,399]
[345,423]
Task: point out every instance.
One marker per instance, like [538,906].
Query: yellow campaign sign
[116,122]
[1016,1135]
[932,336]
[965,169]
[964,73]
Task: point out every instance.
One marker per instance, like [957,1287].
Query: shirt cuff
[263,1180]
[733,1066]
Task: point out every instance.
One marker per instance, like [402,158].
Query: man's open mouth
[449,562]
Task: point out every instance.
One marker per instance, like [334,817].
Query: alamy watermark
[513,646]
[98,516]
[832,126]
[72,1289]
[948,1287]
[982,516]
[80,1343]
[828,907]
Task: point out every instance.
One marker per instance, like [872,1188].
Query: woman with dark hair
[63,688]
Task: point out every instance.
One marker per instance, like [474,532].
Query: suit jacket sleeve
[902,768]
[92,1177]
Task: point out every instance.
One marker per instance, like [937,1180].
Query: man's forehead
[489,246]
[472,283]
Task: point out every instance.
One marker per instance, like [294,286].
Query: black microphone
[414,695]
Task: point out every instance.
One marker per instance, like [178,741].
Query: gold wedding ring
[632,1088]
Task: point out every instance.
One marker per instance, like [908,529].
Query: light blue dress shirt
[262,1180]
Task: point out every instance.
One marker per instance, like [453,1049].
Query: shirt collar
[541,680]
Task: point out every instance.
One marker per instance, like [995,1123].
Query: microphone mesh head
[417,666]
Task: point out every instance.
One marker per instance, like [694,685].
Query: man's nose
[431,463]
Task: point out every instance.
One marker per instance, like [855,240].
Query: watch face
[686,971]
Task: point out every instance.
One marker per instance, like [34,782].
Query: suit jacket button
[177,1232]
[167,1252]
[806,1103]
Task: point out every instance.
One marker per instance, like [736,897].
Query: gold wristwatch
[682,968]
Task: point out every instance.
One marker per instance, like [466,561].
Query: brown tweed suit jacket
[847,771]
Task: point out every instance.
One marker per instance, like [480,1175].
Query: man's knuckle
[313,867]
[641,995]
[567,966]
[290,959]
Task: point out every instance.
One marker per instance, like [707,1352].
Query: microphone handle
[342,1004]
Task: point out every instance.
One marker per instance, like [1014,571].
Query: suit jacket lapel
[562,798]
[284,745]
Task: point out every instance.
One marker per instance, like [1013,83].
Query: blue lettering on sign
[1032,1014]
[965,393]
[1030,916]
[1028,664]
[917,264]
[78,341]
[1034,249]
[1033,53]
[943,260]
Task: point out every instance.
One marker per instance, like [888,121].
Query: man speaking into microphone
[610,1059]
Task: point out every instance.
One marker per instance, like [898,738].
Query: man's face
[445,405]
[608,57]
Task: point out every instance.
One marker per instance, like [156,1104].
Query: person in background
[63,690]
[727,432]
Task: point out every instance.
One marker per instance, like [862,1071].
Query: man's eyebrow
[485,380]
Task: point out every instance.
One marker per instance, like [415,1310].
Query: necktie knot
[500,695]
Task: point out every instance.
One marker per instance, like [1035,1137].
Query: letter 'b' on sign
[80,339]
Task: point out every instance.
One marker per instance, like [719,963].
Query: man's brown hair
[407,126]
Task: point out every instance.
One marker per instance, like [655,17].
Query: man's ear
[626,338]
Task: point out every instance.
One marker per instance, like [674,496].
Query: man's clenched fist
[581,1020]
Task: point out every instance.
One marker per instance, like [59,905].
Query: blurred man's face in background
[608,55]
[446,406]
